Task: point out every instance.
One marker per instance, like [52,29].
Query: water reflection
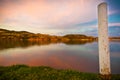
[4,44]
[58,55]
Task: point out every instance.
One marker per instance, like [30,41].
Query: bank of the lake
[23,72]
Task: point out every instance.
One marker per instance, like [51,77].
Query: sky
[58,17]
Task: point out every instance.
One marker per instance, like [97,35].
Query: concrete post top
[102,4]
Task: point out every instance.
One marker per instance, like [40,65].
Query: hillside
[24,35]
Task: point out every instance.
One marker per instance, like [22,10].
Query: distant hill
[3,30]
[12,31]
[22,35]
[10,38]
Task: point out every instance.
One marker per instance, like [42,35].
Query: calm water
[81,57]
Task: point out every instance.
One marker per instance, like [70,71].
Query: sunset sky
[57,17]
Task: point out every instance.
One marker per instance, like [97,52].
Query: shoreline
[24,72]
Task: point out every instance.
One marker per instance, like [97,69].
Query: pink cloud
[46,14]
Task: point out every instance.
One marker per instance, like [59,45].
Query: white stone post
[103,40]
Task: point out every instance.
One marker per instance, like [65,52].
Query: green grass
[23,72]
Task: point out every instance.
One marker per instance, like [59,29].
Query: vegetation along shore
[23,72]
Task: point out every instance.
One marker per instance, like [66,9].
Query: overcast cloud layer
[56,17]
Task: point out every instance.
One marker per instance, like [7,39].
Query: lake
[80,57]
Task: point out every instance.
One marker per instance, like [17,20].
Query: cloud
[114,24]
[48,16]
